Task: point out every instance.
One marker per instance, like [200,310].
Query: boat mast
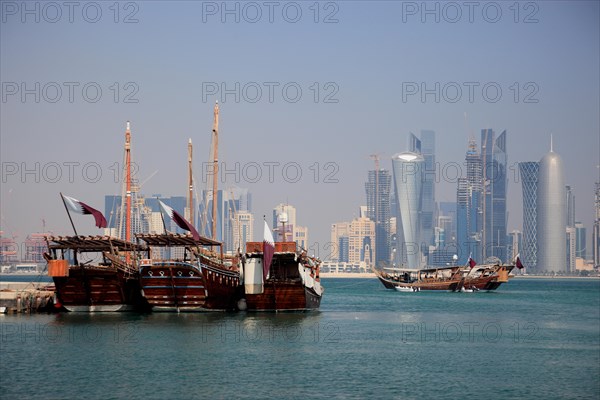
[215,169]
[190,184]
[128,182]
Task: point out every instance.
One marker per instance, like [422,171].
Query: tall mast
[128,182]
[190,184]
[215,169]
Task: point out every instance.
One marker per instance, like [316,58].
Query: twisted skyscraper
[529,179]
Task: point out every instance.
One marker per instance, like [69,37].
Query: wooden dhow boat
[469,278]
[189,272]
[414,280]
[85,285]
[193,277]
[279,277]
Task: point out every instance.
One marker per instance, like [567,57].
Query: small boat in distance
[469,278]
[411,280]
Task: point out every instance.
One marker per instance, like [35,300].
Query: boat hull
[442,285]
[96,289]
[100,308]
[489,280]
[223,288]
[284,296]
[387,283]
[185,287]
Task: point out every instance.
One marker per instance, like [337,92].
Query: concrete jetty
[26,297]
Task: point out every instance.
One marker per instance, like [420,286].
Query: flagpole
[68,213]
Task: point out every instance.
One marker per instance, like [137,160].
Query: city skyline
[528,177]
[359,97]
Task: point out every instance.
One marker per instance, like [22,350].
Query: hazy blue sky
[364,58]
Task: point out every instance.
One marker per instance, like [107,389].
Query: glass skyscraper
[529,182]
[425,145]
[377,189]
[596,229]
[494,161]
[580,231]
[468,207]
[570,202]
[408,187]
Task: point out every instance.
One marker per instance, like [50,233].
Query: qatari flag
[81,208]
[518,263]
[268,250]
[179,220]
[472,262]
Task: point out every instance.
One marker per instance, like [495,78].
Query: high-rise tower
[494,161]
[425,145]
[551,214]
[468,207]
[408,186]
[596,231]
[377,189]
[529,181]
[570,204]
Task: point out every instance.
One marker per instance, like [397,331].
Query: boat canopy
[91,243]
[176,239]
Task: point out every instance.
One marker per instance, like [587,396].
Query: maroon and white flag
[179,220]
[80,207]
[268,250]
[472,262]
[518,262]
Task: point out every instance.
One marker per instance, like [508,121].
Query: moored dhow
[413,280]
[192,278]
[87,286]
[471,277]
[278,277]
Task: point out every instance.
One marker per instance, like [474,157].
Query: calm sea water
[530,339]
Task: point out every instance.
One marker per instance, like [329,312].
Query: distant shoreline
[555,277]
[372,275]
[347,275]
[363,275]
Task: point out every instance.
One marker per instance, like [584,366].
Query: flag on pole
[268,250]
[518,262]
[179,220]
[472,262]
[80,207]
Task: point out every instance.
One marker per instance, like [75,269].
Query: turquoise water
[530,339]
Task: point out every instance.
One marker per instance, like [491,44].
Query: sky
[307,92]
